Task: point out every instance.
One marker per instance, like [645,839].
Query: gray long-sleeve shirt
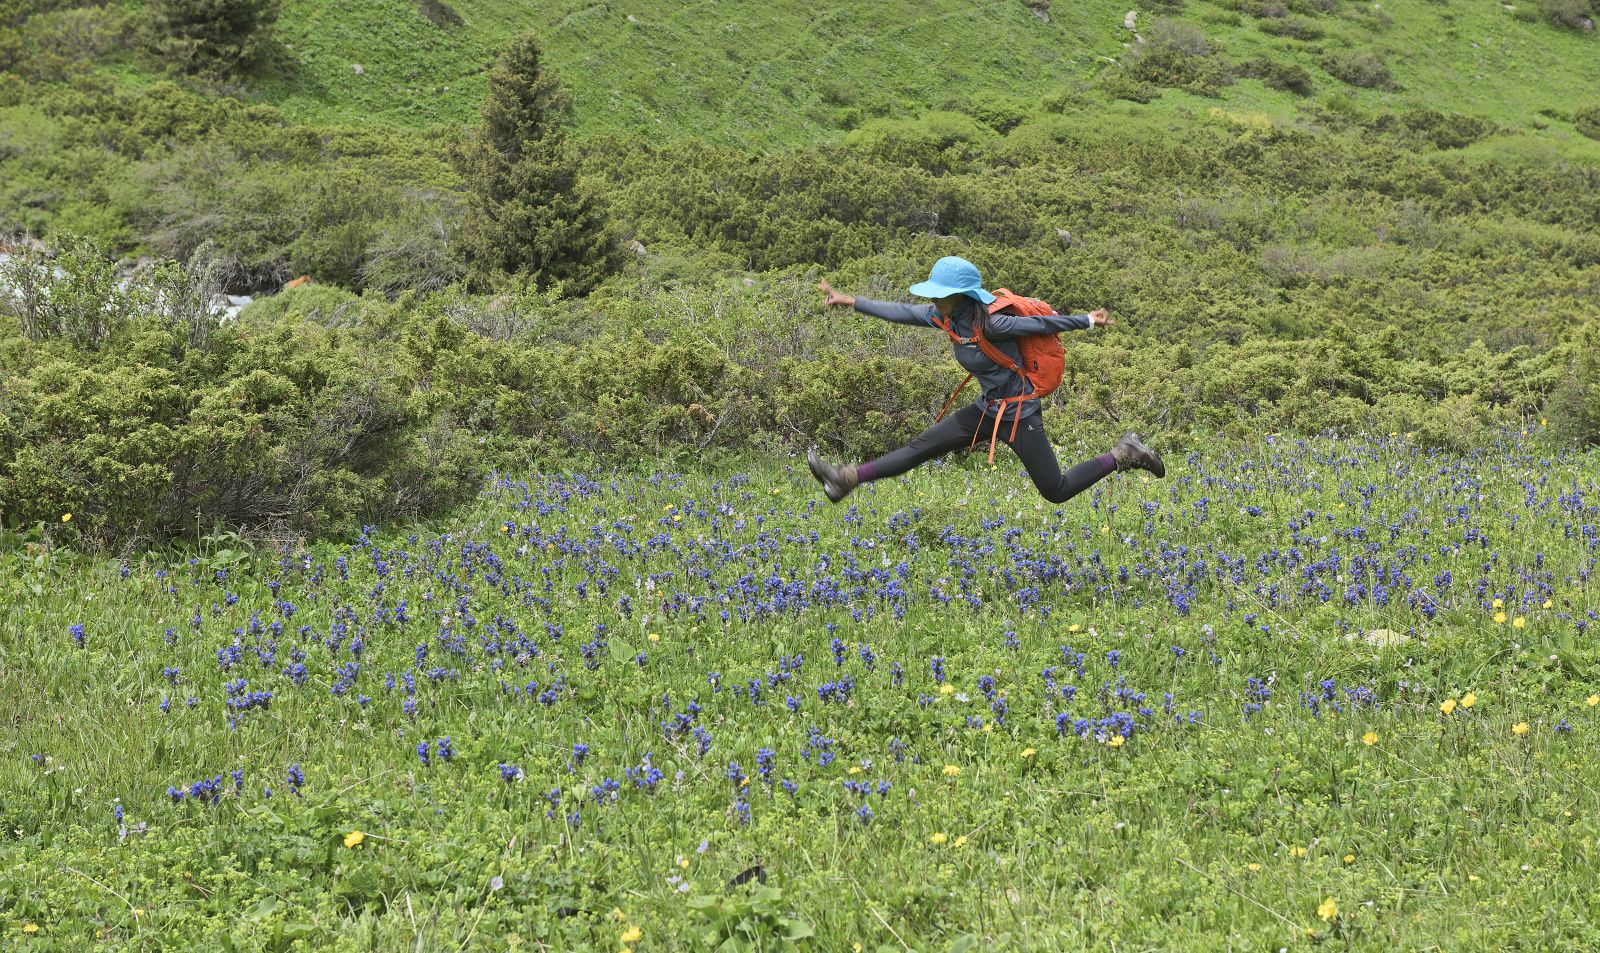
[1002,330]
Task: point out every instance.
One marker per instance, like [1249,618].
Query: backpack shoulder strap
[991,352]
[944,326]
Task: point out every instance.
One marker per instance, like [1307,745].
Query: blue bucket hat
[953,276]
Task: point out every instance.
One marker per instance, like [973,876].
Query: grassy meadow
[1305,693]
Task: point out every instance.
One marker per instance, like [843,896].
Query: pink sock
[1107,461]
[866,472]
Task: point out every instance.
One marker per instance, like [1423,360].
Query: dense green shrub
[263,426]
[210,36]
[938,142]
[1588,121]
[1177,54]
[76,296]
[1575,14]
[1297,28]
[1441,130]
[1119,84]
[440,13]
[57,44]
[1573,410]
[1361,68]
[1279,75]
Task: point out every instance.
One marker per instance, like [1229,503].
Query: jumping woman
[986,338]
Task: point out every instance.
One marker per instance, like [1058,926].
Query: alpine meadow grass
[1304,692]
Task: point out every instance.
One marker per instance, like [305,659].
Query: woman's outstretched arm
[915,314]
[1001,326]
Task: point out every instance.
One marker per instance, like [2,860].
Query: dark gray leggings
[956,431]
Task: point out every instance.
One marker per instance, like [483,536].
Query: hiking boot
[837,482]
[1130,454]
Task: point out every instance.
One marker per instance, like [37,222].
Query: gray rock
[637,247]
[359,70]
[1129,20]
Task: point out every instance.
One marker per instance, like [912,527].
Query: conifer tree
[526,215]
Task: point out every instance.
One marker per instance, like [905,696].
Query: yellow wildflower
[951,770]
[1519,622]
[1520,728]
[1349,858]
[1297,851]
[1468,700]
[354,839]
[632,935]
[939,838]
[988,726]
[961,841]
[1448,706]
[854,769]
[1370,738]
[683,862]
[1592,700]
[1327,910]
[655,636]
[1029,752]
[1498,604]
[946,689]
[1499,618]
[1116,741]
[1253,867]
[1073,627]
[66,517]
[1547,604]
[30,928]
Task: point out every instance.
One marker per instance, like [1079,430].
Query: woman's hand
[835,299]
[1100,318]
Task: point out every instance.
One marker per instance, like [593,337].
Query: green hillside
[789,73]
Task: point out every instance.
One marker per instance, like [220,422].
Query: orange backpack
[1043,360]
